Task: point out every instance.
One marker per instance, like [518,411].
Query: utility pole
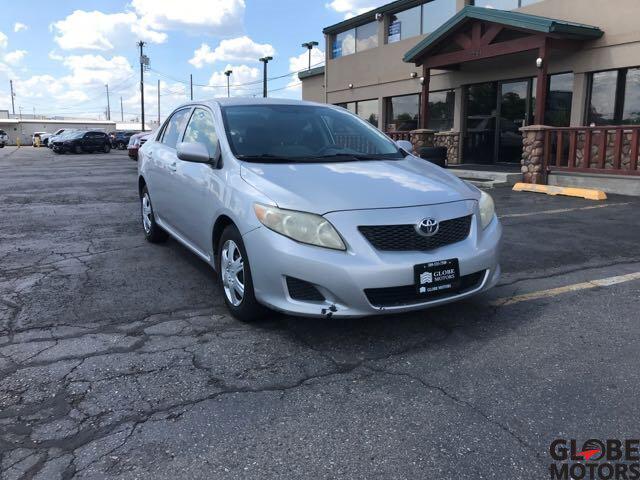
[228,74]
[20,109]
[265,60]
[191,84]
[13,107]
[309,46]
[158,101]
[141,45]
[121,111]
[108,103]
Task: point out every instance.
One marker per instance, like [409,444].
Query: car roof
[225,102]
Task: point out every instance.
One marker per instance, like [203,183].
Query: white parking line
[553,292]
[561,210]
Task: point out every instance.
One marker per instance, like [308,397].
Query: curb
[586,193]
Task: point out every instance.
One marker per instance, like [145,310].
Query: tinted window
[201,129]
[504,4]
[284,132]
[404,24]
[441,106]
[603,98]
[403,112]
[344,43]
[175,127]
[367,36]
[559,98]
[631,112]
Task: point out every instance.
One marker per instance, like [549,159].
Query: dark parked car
[83,141]
[120,140]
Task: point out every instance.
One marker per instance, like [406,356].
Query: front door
[514,98]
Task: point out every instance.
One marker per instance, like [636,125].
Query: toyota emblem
[428,227]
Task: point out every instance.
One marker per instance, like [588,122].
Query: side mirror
[405,145]
[197,152]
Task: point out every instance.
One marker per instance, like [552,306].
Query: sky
[60,55]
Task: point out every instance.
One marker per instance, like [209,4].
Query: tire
[121,146]
[152,231]
[1,145]
[77,149]
[106,148]
[244,307]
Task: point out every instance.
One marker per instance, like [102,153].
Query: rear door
[162,170]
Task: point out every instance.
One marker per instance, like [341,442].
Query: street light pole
[228,74]
[13,95]
[265,60]
[309,46]
[141,45]
[108,103]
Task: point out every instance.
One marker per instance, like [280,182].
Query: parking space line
[553,292]
[561,210]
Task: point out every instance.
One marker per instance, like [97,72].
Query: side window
[174,127]
[201,129]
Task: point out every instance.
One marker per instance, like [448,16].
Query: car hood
[328,187]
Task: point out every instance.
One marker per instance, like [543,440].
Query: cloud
[18,26]
[214,17]
[14,57]
[4,41]
[242,74]
[102,31]
[351,8]
[296,64]
[241,49]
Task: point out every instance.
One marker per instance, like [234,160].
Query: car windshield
[303,133]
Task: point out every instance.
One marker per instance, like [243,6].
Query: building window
[435,13]
[405,24]
[365,109]
[559,98]
[366,36]
[344,43]
[614,97]
[403,113]
[441,105]
[504,4]
[631,109]
[419,20]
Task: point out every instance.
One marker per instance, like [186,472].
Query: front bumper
[343,277]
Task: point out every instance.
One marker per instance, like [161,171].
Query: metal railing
[602,149]
[399,135]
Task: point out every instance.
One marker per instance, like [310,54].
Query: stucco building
[549,87]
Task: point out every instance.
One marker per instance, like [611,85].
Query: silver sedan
[306,209]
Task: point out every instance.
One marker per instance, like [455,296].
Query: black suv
[121,139]
[83,141]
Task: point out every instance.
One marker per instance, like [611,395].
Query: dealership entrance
[494,114]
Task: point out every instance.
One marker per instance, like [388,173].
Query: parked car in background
[135,142]
[82,141]
[4,138]
[307,209]
[120,140]
[58,134]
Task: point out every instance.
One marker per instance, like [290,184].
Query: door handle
[173,166]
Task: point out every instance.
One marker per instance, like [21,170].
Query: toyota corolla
[306,209]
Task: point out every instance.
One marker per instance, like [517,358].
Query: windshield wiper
[357,156]
[264,157]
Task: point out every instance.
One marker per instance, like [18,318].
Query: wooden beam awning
[476,33]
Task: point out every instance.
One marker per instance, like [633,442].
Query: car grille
[407,295]
[405,238]
[301,290]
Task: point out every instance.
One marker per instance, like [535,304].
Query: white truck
[4,138]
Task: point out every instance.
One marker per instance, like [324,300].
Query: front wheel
[234,273]
[107,148]
[152,231]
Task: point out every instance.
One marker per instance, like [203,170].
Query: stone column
[421,138]
[533,153]
[451,141]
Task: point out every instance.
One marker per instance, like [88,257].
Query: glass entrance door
[514,102]
[480,123]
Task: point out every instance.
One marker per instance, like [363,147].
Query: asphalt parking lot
[118,359]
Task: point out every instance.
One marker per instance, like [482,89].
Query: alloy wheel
[146,213]
[232,272]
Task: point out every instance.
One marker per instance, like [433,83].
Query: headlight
[302,227]
[487,209]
